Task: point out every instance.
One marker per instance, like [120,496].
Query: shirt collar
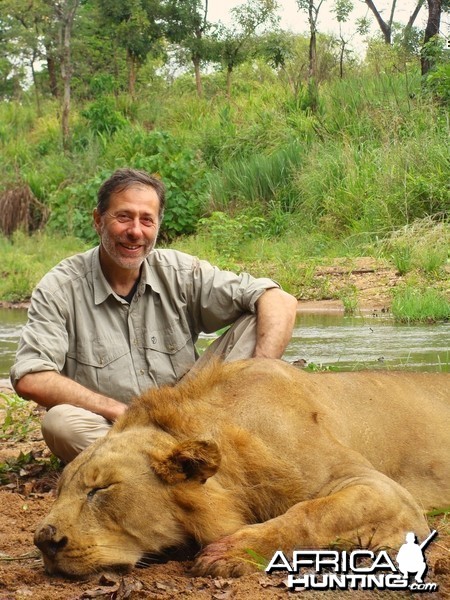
[102,289]
[148,276]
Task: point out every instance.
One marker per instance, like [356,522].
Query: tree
[431,30]
[342,9]
[312,9]
[277,48]
[235,45]
[386,26]
[65,11]
[187,24]
[138,28]
[29,35]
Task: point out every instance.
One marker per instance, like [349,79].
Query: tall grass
[412,304]
[373,159]
[260,180]
[422,245]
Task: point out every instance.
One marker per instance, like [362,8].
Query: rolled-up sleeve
[44,341]
[220,297]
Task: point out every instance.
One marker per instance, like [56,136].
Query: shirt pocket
[170,353]
[103,364]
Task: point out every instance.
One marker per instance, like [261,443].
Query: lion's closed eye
[95,490]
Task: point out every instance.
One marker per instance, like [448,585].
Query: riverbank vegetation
[276,174]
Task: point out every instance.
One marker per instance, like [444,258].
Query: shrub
[228,234]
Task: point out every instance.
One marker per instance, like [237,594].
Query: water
[11,323]
[352,342]
[324,340]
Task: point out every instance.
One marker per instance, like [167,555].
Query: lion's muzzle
[46,539]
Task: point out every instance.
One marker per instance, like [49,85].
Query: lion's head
[127,495]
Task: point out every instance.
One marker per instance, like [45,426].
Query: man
[107,324]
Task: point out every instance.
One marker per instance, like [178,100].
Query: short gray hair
[122,179]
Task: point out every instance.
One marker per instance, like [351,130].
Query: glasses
[126,219]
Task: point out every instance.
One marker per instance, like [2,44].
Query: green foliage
[14,465]
[102,116]
[413,304]
[156,152]
[137,25]
[228,234]
[182,172]
[25,465]
[402,258]
[438,82]
[349,297]
[23,266]
[259,180]
[259,561]
[19,420]
[372,160]
[71,208]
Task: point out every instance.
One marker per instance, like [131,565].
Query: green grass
[26,259]
[19,419]
[413,304]
[367,175]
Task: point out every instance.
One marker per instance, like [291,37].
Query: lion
[259,456]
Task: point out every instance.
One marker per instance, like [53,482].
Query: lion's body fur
[264,456]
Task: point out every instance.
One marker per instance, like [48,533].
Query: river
[325,340]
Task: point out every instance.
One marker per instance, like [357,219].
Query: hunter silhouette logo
[358,569]
[411,557]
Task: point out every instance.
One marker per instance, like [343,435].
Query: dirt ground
[27,490]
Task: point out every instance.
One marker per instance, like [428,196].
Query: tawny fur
[257,455]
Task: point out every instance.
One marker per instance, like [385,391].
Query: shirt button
[142,372]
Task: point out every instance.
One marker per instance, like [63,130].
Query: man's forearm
[49,388]
[276,311]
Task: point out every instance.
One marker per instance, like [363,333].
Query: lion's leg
[363,511]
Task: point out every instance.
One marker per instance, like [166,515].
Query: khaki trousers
[68,430]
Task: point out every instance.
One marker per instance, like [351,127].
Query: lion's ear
[194,460]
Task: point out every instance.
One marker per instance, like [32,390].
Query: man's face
[129,228]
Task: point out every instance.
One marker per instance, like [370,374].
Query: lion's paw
[223,559]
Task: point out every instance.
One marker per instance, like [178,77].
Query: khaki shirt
[78,326]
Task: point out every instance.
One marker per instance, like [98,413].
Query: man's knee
[67,430]
[237,343]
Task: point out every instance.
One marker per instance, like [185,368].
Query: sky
[294,20]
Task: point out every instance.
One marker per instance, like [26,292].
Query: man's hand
[49,388]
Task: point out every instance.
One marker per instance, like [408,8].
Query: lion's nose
[46,540]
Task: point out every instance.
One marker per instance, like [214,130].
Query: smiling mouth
[131,248]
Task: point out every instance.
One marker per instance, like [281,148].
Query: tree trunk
[52,75]
[66,76]
[408,27]
[432,29]
[341,58]
[386,28]
[313,92]
[312,43]
[66,14]
[198,77]
[229,74]
[132,73]
[36,88]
